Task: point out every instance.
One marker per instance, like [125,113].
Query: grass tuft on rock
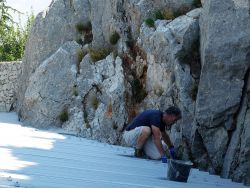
[150,22]
[94,102]
[168,14]
[83,27]
[158,15]
[97,54]
[114,37]
[64,116]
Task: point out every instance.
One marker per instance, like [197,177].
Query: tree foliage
[13,36]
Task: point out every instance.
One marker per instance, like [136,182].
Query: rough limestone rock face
[51,29]
[122,15]
[139,10]
[166,74]
[225,55]
[236,163]
[49,93]
[101,113]
[225,58]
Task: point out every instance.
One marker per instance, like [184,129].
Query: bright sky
[26,6]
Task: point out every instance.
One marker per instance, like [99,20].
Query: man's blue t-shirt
[148,118]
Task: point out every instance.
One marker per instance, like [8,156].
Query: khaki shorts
[130,137]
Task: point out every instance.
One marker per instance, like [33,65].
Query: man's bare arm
[166,139]
[157,139]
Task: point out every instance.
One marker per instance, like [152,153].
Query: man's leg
[151,150]
[136,138]
[145,133]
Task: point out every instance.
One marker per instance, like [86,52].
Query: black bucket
[178,170]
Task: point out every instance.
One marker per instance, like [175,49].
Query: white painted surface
[43,159]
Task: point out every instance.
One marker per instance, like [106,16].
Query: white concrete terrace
[31,158]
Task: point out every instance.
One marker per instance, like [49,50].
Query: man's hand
[172,152]
[164,159]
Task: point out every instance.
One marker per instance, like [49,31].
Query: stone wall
[9,72]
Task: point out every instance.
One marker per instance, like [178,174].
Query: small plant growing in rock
[150,22]
[80,41]
[159,91]
[85,117]
[158,15]
[197,3]
[94,102]
[130,41]
[114,125]
[97,54]
[194,91]
[114,37]
[88,37]
[168,14]
[81,28]
[64,116]
[109,111]
[87,125]
[138,92]
[181,11]
[75,91]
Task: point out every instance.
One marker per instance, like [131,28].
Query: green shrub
[97,54]
[150,22]
[81,27]
[197,3]
[158,15]
[114,37]
[64,116]
[94,102]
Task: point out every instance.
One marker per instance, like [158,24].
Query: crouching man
[147,130]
